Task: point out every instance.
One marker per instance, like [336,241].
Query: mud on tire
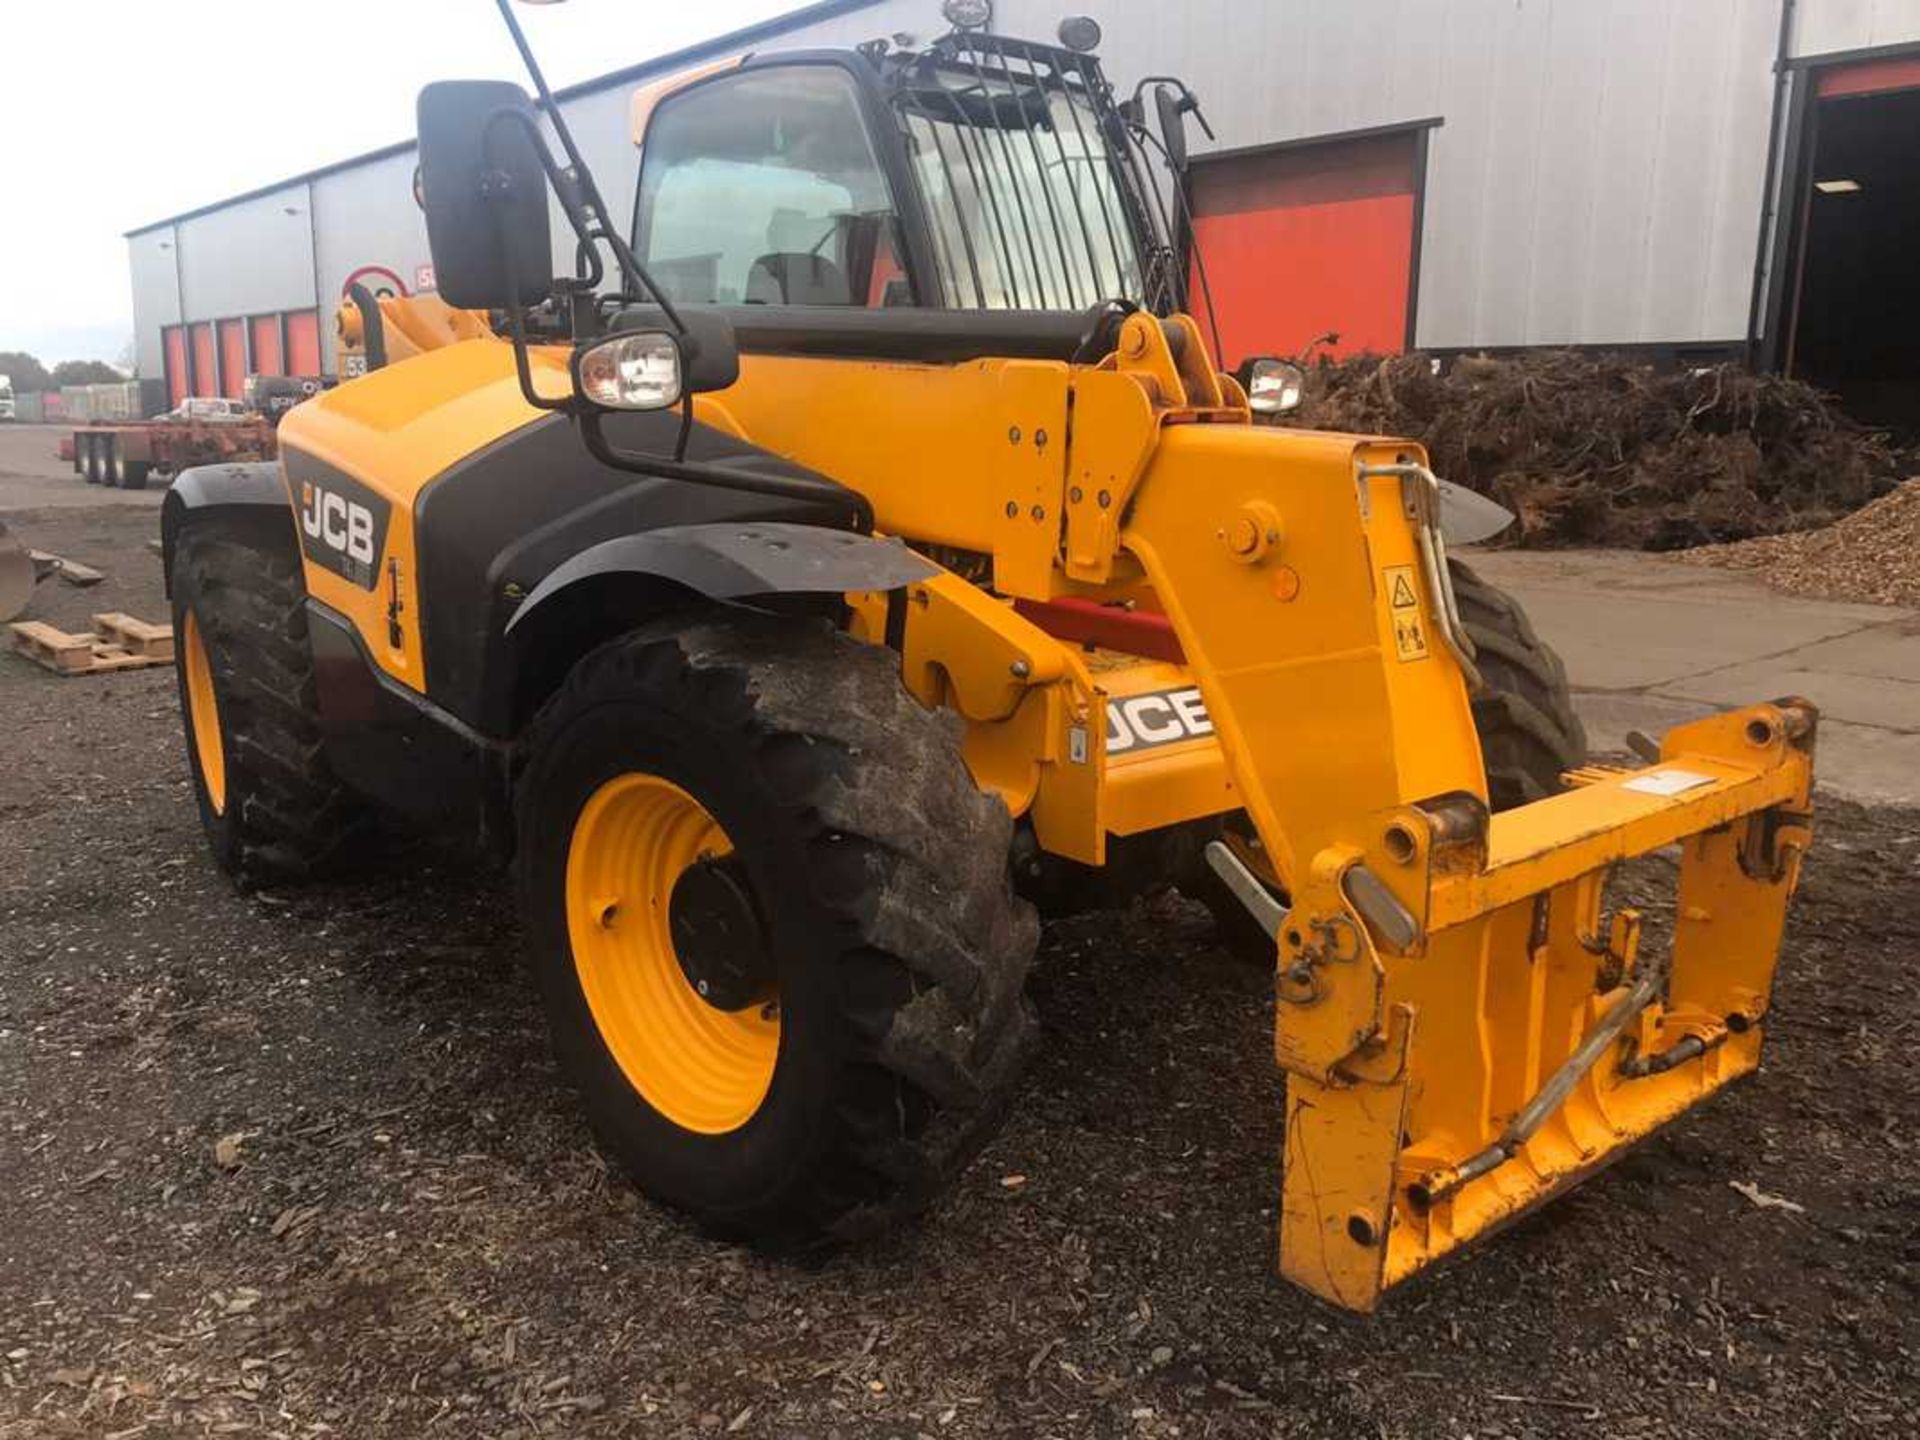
[880,872]
[284,815]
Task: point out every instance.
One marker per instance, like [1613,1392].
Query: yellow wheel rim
[203,715]
[703,1068]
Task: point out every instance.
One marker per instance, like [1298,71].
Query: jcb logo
[343,525]
[1165,717]
[339,522]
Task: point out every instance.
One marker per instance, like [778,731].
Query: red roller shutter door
[1304,239]
[233,358]
[266,345]
[303,342]
[175,340]
[206,378]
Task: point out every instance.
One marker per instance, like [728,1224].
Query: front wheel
[1529,732]
[771,920]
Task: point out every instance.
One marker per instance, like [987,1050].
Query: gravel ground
[299,1164]
[1871,556]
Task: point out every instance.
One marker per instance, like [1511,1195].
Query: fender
[738,561]
[209,489]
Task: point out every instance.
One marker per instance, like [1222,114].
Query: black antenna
[634,278]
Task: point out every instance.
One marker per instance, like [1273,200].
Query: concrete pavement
[1650,642]
[34,477]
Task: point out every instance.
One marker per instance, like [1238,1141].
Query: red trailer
[126,453]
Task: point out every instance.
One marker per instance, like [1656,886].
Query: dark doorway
[1856,326]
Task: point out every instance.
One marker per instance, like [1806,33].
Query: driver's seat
[797,277]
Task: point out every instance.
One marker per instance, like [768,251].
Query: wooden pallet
[118,642]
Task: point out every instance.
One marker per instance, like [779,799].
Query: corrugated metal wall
[1598,178]
[1825,27]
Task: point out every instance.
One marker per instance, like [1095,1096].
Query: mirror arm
[517,328]
[785,487]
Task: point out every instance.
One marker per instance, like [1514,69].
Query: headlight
[1273,386]
[639,371]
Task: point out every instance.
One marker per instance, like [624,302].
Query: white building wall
[1826,27]
[364,215]
[248,258]
[1597,178]
[156,296]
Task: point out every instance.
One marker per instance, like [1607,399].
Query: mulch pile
[1604,450]
[1873,555]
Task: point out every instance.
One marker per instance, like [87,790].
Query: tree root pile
[1605,450]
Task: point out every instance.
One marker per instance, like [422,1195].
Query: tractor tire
[1528,731]
[270,804]
[770,917]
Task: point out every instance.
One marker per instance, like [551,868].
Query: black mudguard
[254,485]
[739,560]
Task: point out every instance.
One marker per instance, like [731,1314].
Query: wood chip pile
[1873,555]
[1605,450]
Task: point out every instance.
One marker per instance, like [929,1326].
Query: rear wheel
[771,921]
[270,804]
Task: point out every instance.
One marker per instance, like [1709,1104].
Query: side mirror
[1173,124]
[484,190]
[645,365]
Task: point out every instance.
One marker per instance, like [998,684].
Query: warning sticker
[1409,631]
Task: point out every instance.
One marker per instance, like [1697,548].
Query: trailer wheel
[770,916]
[270,804]
[112,473]
[133,474]
[95,469]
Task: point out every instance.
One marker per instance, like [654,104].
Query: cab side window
[763,188]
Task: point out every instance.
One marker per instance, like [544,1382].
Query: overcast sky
[114,113]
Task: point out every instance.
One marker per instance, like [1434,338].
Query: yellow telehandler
[861,541]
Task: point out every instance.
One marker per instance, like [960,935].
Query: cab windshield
[764,188]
